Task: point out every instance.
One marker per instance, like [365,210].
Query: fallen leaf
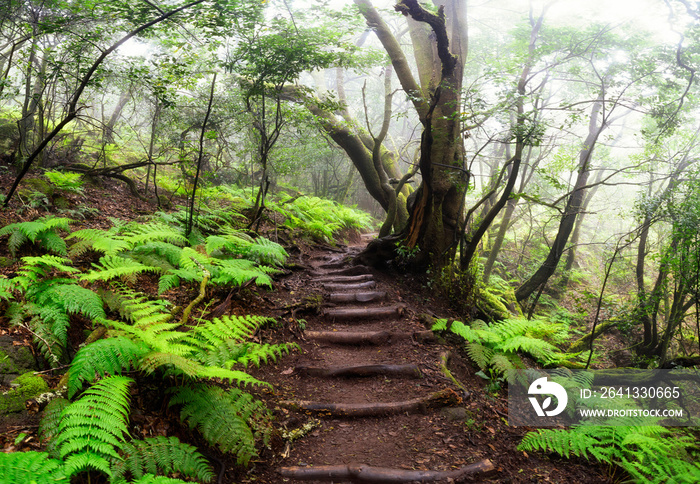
[288,371]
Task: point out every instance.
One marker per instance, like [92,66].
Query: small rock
[454,414]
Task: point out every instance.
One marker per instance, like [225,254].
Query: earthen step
[347,271]
[368,337]
[442,398]
[409,371]
[350,314]
[343,279]
[350,297]
[350,287]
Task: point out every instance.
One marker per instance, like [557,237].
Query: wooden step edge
[368,337]
[343,279]
[363,313]
[442,398]
[350,286]
[347,271]
[351,297]
[380,475]
[404,370]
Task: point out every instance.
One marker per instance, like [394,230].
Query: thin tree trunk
[72,108]
[200,158]
[572,210]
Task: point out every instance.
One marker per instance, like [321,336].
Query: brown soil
[435,439]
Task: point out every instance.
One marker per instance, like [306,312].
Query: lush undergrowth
[632,452]
[65,277]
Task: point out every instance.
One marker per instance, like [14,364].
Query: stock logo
[543,387]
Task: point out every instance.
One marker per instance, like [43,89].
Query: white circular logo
[543,387]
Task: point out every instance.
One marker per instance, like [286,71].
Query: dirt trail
[403,423]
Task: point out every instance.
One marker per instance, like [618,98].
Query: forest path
[367,385]
[366,399]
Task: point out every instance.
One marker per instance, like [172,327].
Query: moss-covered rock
[491,306]
[17,359]
[27,386]
[7,364]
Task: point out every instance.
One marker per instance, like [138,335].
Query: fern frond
[135,306]
[154,232]
[95,424]
[50,327]
[74,299]
[480,354]
[87,461]
[110,356]
[23,467]
[513,327]
[52,242]
[503,363]
[237,272]
[50,423]
[538,348]
[180,365]
[36,268]
[112,266]
[109,242]
[7,287]
[262,352]
[562,442]
[161,455]
[170,252]
[219,330]
[223,418]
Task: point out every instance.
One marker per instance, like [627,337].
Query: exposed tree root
[357,278]
[443,398]
[365,473]
[345,297]
[363,313]
[350,287]
[348,271]
[367,337]
[410,370]
[444,359]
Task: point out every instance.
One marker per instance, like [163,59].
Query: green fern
[93,429]
[50,423]
[497,346]
[48,301]
[239,244]
[111,356]
[35,269]
[122,238]
[42,231]
[161,455]
[239,271]
[7,288]
[31,467]
[228,419]
[112,266]
[648,453]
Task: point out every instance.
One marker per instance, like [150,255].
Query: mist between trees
[520,157]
